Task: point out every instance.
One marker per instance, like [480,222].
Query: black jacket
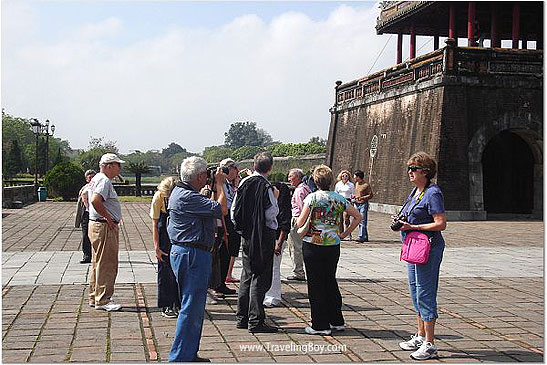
[285,209]
[251,202]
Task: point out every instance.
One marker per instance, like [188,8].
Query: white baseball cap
[109,158]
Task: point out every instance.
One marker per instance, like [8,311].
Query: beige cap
[109,158]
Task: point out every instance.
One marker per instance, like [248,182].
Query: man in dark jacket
[254,213]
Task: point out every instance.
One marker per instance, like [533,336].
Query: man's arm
[85,199]
[97,201]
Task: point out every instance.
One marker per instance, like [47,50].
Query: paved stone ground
[491,299]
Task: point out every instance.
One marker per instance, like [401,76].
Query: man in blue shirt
[191,229]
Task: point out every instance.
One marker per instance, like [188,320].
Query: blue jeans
[363,209]
[423,281]
[192,267]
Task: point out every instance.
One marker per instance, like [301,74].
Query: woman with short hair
[321,251]
[424,211]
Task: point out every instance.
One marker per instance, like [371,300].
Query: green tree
[100,142]
[138,168]
[246,134]
[246,152]
[90,159]
[64,180]
[318,140]
[13,163]
[216,153]
[172,150]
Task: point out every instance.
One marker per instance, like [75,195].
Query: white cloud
[188,84]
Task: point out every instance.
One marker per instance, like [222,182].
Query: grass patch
[137,199]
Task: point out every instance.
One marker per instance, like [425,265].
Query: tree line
[242,141]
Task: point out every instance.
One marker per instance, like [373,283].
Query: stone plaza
[491,298]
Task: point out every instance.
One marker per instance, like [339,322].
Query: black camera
[396,225]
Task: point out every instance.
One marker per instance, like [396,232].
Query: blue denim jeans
[423,281]
[363,209]
[192,268]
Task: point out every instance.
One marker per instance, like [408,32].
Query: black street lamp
[36,129]
[45,131]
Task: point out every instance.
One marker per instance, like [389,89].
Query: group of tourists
[201,222]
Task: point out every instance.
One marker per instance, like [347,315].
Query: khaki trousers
[104,262]
[294,242]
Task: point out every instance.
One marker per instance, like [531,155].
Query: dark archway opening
[508,175]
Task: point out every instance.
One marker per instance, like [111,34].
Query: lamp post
[36,129]
[45,131]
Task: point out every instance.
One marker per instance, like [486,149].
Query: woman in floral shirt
[321,250]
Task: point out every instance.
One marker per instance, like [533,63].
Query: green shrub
[64,180]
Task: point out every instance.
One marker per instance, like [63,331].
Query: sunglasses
[415,168]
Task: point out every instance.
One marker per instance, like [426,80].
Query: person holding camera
[227,257]
[191,228]
[423,211]
[82,217]
[321,249]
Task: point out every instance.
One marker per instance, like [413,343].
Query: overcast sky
[145,74]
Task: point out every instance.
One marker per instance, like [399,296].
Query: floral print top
[326,209]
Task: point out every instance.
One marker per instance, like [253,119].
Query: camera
[212,170]
[396,225]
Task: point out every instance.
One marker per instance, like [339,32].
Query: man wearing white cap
[105,213]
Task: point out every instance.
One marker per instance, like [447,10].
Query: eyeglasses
[415,168]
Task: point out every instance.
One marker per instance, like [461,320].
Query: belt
[101,220]
[195,245]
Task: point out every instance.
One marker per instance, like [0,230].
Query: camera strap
[418,199]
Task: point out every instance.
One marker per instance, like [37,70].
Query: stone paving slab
[48,226]
[491,299]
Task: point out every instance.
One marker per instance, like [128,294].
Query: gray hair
[297,172]
[90,172]
[191,167]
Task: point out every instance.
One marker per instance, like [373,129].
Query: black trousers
[168,290]
[86,243]
[323,292]
[253,287]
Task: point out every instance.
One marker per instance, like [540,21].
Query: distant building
[478,111]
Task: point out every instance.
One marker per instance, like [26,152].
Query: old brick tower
[478,110]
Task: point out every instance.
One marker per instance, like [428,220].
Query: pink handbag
[416,247]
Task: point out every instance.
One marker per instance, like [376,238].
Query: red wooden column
[494,35]
[452,22]
[412,42]
[516,25]
[399,47]
[471,24]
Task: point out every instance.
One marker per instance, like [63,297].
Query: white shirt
[344,189]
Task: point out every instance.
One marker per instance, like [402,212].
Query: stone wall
[24,194]
[402,125]
[450,103]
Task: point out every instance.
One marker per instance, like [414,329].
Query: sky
[148,73]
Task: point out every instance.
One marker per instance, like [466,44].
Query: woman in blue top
[321,251]
[424,211]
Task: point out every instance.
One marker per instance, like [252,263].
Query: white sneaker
[210,299]
[426,351]
[338,328]
[109,307]
[413,344]
[310,331]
